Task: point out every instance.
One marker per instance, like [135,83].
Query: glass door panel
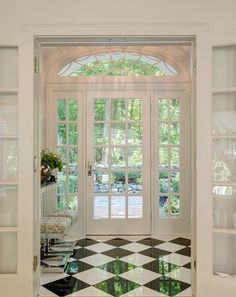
[172,159]
[117,178]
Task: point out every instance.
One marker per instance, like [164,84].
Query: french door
[118,162]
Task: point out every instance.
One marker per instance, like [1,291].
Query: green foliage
[52,159]
[118,67]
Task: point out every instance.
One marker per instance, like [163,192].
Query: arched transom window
[117,64]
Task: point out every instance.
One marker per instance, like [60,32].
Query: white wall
[14,12]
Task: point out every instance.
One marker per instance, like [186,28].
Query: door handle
[90,168]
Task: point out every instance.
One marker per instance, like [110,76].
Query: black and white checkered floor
[120,267]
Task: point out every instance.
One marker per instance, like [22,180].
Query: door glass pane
[175,205]
[135,109]
[73,134]
[135,133]
[61,109]
[174,109]
[135,157]
[163,109]
[135,206]
[101,182]
[8,252]
[163,133]
[63,154]
[61,182]
[73,158]
[117,157]
[118,133]
[9,159]
[174,133]
[73,182]
[117,207]
[224,246]
[174,157]
[100,133]
[8,206]
[117,109]
[101,207]
[224,207]
[224,59]
[71,203]
[9,67]
[101,155]
[8,114]
[224,157]
[101,110]
[224,114]
[163,157]
[73,109]
[135,182]
[163,206]
[118,182]
[61,134]
[175,182]
[163,182]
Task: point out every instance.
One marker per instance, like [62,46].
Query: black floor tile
[117,267]
[116,286]
[150,241]
[185,251]
[181,241]
[117,253]
[86,242]
[160,267]
[66,286]
[167,286]
[117,242]
[154,252]
[188,265]
[76,267]
[82,253]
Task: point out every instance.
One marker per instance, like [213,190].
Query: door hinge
[35,263]
[195,67]
[35,164]
[195,263]
[36,65]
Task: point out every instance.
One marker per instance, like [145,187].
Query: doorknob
[90,168]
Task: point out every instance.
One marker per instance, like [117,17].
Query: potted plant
[50,161]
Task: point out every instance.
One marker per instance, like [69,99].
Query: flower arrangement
[52,159]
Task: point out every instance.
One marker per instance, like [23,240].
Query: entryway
[120,116]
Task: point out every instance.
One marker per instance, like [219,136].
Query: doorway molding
[200,32]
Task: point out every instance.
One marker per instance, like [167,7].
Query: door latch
[90,168]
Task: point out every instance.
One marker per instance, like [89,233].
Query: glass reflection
[101,182]
[135,182]
[118,207]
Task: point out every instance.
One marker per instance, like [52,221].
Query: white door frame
[203,91]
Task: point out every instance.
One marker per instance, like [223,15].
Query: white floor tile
[183,274]
[89,292]
[97,259]
[93,276]
[51,277]
[185,293]
[176,259]
[170,247]
[135,247]
[43,292]
[140,275]
[143,292]
[100,247]
[137,259]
